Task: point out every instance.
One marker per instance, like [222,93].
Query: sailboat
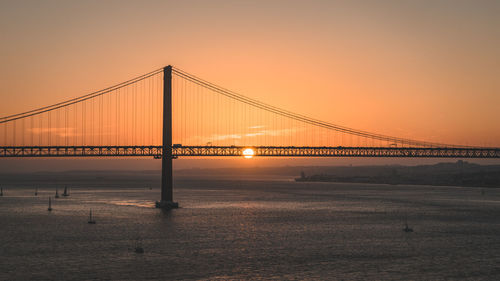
[91,220]
[138,247]
[57,193]
[65,193]
[50,205]
[407,229]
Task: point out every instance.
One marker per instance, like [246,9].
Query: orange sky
[420,69]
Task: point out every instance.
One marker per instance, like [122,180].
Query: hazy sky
[422,69]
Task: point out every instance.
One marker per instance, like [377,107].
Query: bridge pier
[167,201]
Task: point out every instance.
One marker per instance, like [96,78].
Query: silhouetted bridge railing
[236,151]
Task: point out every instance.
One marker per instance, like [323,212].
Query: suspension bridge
[170,113]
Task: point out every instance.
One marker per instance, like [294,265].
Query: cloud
[256,127]
[254,134]
[61,132]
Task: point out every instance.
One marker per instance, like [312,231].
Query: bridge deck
[237,151]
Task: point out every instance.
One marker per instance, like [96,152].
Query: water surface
[248,229]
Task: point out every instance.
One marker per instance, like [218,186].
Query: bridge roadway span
[235,151]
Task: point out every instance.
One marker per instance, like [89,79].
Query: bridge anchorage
[169,113]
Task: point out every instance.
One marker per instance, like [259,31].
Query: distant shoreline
[459,174]
[394,184]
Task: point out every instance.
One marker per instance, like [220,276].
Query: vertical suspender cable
[22,131]
[50,129]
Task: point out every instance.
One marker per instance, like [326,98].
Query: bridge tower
[167,156]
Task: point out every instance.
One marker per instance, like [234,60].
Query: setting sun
[248,153]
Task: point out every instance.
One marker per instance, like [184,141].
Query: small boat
[138,247]
[57,193]
[91,219]
[407,229]
[65,193]
[50,205]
